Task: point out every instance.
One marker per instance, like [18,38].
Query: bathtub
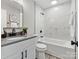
[58,48]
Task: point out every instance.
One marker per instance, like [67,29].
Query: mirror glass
[11,13]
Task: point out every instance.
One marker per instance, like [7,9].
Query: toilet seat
[41,47]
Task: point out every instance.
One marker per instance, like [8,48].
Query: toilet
[40,51]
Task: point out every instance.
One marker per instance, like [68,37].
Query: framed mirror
[11,14]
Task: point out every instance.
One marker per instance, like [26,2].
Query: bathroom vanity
[18,47]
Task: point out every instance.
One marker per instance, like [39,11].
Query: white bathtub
[59,48]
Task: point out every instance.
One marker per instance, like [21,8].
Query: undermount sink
[16,38]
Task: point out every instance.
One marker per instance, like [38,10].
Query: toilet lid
[42,46]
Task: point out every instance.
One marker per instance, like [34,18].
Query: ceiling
[11,3]
[47,3]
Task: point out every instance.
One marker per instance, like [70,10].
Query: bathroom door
[74,27]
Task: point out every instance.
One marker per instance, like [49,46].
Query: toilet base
[40,55]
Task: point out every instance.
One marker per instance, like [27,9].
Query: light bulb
[54,2]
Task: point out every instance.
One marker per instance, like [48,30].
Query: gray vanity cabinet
[20,50]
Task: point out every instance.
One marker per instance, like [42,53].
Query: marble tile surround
[56,22]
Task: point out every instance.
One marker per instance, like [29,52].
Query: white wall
[28,10]
[57,22]
[3,19]
[39,19]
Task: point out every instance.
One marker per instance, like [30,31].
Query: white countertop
[15,39]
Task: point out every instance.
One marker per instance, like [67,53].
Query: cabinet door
[31,52]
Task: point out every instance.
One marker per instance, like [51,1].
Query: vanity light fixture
[54,2]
